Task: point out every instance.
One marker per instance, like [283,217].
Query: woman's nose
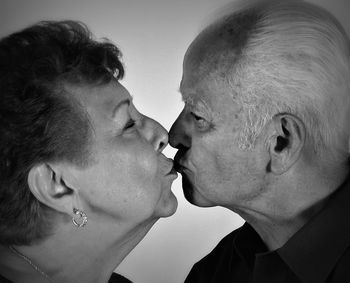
[156,134]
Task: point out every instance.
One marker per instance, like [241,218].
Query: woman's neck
[73,255]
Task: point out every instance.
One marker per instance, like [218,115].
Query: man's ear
[47,185]
[286,142]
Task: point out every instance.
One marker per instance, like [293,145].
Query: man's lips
[179,167]
[179,163]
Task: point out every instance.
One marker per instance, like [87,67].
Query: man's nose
[156,134]
[178,134]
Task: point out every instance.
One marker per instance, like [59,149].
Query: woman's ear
[286,142]
[48,186]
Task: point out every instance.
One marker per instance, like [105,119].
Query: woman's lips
[172,170]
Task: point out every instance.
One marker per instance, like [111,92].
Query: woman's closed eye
[129,125]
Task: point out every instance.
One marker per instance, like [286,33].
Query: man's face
[215,171]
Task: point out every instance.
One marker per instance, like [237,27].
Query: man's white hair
[294,59]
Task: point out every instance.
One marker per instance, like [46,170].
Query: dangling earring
[82,218]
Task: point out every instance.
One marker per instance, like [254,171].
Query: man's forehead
[195,85]
[190,93]
[211,96]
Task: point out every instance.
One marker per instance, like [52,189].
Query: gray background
[153,36]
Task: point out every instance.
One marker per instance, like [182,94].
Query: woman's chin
[168,207]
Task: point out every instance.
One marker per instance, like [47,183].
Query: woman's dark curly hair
[39,120]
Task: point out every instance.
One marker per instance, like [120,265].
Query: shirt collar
[314,250]
[248,244]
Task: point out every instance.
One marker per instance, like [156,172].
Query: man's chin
[191,195]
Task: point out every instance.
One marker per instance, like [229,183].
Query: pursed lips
[178,167]
[171,170]
[178,164]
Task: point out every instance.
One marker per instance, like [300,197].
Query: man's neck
[286,208]
[275,231]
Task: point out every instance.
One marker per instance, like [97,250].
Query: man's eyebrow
[189,101]
[179,90]
[184,97]
[127,101]
[182,92]
[180,87]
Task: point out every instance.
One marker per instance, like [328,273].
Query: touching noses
[156,134]
[178,136]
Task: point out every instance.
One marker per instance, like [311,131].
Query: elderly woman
[82,174]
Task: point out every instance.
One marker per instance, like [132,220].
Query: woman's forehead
[102,98]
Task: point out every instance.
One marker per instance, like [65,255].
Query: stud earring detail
[81,222]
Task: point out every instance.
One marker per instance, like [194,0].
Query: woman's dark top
[115,278]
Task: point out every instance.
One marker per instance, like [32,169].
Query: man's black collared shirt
[115,278]
[319,252]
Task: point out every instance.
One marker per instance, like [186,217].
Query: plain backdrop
[153,36]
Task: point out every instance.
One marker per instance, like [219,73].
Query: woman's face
[129,179]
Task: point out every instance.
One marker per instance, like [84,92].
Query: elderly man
[264,133]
